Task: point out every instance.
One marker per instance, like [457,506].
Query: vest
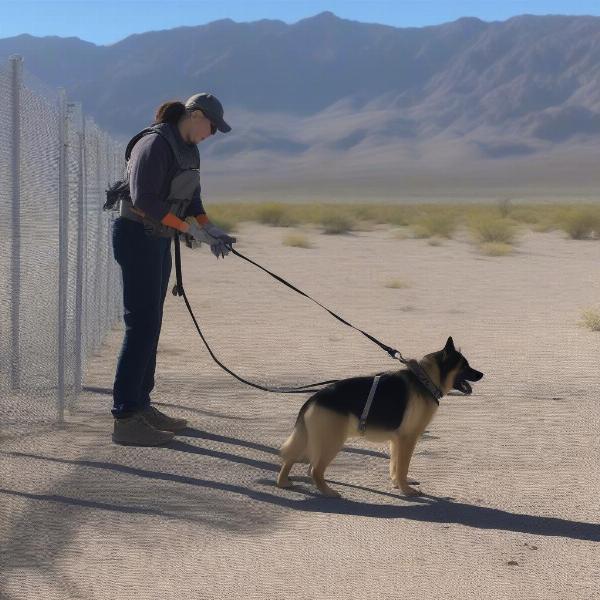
[183,184]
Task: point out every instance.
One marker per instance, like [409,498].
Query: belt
[126,211]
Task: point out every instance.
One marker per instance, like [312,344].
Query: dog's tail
[294,448]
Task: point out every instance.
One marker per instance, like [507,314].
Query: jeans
[146,266]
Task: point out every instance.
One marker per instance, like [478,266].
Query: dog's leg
[318,472]
[282,479]
[393,458]
[292,450]
[406,447]
[326,437]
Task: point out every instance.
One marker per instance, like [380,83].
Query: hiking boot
[136,431]
[159,420]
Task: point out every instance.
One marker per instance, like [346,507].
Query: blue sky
[108,21]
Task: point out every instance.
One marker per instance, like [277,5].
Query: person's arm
[196,209]
[170,220]
[150,168]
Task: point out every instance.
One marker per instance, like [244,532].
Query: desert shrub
[492,229]
[438,223]
[396,284]
[504,207]
[276,214]
[591,319]
[495,248]
[336,223]
[581,223]
[297,240]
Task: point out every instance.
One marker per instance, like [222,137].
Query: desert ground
[509,475]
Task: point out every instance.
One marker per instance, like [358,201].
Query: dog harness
[419,372]
[362,424]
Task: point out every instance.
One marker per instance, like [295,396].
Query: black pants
[146,266]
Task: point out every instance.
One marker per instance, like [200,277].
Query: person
[163,165]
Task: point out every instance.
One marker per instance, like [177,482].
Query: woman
[163,172]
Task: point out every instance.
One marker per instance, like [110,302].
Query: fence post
[78,350]
[63,250]
[97,253]
[85,241]
[16,67]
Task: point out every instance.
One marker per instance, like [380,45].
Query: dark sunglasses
[213,128]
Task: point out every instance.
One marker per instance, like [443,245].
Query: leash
[412,364]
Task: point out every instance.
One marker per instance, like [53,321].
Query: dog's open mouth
[464,386]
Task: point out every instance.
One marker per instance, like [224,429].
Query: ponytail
[170,112]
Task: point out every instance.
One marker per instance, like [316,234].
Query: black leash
[413,365]
[179,291]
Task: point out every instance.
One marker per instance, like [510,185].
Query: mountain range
[328,108]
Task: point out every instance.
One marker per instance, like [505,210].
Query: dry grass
[396,284]
[581,223]
[440,223]
[590,318]
[420,231]
[401,234]
[297,240]
[275,214]
[488,222]
[490,229]
[495,249]
[334,223]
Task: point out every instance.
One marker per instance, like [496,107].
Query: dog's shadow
[425,507]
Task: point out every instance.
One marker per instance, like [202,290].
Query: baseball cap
[211,108]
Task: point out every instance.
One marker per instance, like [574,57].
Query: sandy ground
[510,473]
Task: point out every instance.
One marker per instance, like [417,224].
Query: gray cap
[211,108]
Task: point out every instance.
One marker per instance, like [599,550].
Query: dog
[401,409]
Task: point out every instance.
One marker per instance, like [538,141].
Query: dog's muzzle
[464,386]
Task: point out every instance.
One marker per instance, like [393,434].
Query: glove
[219,233]
[216,238]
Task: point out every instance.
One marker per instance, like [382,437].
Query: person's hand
[219,233]
[213,236]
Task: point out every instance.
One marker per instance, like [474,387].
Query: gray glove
[216,238]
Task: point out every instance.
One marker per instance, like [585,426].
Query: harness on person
[182,188]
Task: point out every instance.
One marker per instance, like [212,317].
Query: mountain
[354,108]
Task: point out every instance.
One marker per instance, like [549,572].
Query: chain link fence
[60,288]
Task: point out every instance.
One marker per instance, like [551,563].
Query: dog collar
[422,376]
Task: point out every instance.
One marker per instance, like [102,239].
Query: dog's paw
[331,494]
[409,481]
[284,483]
[328,492]
[409,491]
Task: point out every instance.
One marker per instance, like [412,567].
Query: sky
[108,21]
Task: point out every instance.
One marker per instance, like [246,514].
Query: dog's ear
[449,345]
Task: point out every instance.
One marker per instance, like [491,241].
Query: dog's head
[455,366]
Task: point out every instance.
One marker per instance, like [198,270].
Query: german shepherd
[401,410]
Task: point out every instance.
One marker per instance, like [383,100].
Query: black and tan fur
[401,410]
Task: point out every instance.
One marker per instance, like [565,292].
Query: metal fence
[60,288]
